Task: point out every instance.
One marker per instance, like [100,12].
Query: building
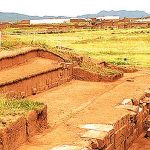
[143,20]
[49,21]
[26,22]
[78,20]
[108,18]
[139,25]
[4,25]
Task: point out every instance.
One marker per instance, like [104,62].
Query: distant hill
[13,17]
[120,13]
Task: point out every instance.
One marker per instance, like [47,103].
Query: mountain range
[120,13]
[13,17]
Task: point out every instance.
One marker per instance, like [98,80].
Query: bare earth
[141,144]
[78,102]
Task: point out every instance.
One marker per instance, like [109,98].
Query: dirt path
[78,102]
[34,66]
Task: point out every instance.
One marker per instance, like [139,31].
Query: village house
[4,25]
[25,22]
[49,21]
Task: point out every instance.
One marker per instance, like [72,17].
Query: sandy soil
[32,67]
[78,102]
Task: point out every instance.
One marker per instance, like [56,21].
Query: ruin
[35,71]
[32,72]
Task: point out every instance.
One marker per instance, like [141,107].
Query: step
[34,76]
[33,67]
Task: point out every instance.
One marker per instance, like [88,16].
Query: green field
[11,109]
[115,46]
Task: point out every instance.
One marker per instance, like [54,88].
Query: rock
[66,147]
[130,80]
[127,102]
[129,107]
[98,127]
[148,133]
[147,122]
[147,92]
[97,138]
[34,91]
[146,100]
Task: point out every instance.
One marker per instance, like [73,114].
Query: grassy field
[119,46]
[11,109]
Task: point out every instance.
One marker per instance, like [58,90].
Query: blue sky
[71,7]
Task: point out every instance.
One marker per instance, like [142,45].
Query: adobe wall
[37,83]
[18,132]
[81,74]
[17,59]
[120,24]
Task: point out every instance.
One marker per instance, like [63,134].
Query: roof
[108,17]
[49,21]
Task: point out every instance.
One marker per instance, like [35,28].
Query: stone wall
[125,130]
[120,134]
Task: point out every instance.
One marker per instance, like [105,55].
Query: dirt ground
[141,144]
[79,102]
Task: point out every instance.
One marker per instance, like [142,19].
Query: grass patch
[102,45]
[11,109]
[25,105]
[92,66]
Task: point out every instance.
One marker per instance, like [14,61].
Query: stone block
[110,147]
[66,147]
[148,133]
[120,136]
[98,138]
[129,107]
[147,92]
[127,102]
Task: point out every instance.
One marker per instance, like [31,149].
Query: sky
[70,7]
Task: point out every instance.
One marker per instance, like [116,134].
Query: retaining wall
[81,74]
[18,132]
[37,83]
[19,58]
